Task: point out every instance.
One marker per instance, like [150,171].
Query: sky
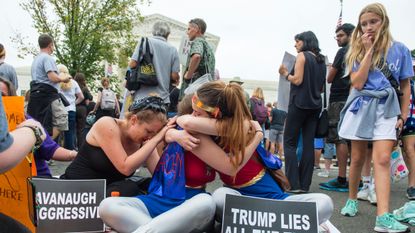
[253,34]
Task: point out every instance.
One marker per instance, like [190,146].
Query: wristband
[259,130]
[400,118]
[286,77]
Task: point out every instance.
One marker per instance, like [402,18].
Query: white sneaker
[363,193]
[324,173]
[372,196]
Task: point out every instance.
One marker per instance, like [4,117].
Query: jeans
[69,142]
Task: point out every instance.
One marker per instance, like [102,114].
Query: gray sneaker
[410,193]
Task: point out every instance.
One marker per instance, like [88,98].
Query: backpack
[259,110]
[107,99]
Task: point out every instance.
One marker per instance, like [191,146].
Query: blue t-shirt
[400,64]
[6,140]
[42,64]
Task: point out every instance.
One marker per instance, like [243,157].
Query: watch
[38,134]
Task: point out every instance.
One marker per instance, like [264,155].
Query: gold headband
[213,110]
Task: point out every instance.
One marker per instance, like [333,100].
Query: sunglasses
[152,102]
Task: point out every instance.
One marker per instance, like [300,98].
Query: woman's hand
[33,123]
[160,135]
[367,41]
[187,141]
[283,70]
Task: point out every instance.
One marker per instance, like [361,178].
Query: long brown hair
[381,44]
[230,99]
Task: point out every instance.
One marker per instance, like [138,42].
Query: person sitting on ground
[148,212]
[114,149]
[252,179]
[49,149]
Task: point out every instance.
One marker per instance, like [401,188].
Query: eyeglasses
[151,102]
[212,110]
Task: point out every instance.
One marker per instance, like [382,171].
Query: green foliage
[86,32]
[413,53]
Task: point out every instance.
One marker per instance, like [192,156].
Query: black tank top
[92,163]
[308,94]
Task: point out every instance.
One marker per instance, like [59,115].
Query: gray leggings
[324,202]
[129,214]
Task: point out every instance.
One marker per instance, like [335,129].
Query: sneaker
[386,223]
[372,196]
[410,193]
[350,209]
[334,185]
[363,193]
[316,167]
[324,173]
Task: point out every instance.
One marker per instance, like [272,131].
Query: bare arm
[406,91]
[198,124]
[332,74]
[359,78]
[297,78]
[174,77]
[23,142]
[132,64]
[98,103]
[193,64]
[152,161]
[62,154]
[79,97]
[54,77]
[106,134]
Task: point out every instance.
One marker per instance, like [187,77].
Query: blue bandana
[169,177]
[270,161]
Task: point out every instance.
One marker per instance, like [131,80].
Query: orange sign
[14,200]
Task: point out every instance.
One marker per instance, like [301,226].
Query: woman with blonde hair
[74,96]
[378,66]
[114,149]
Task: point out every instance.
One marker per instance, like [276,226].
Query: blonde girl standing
[374,110]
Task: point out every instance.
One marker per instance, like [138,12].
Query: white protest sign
[244,214]
[184,49]
[68,205]
[283,85]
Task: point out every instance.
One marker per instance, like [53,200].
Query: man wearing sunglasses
[201,59]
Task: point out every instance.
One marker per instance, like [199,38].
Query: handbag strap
[324,95]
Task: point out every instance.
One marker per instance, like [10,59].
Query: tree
[86,32]
[413,53]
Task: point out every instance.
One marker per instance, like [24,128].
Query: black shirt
[340,87]
[308,94]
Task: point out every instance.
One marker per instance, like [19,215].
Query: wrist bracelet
[286,77]
[259,130]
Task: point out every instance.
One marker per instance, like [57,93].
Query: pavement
[362,223]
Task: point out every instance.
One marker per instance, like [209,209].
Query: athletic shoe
[363,193]
[386,223]
[350,209]
[324,173]
[317,167]
[334,185]
[372,196]
[410,193]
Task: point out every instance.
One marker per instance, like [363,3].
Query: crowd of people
[220,129]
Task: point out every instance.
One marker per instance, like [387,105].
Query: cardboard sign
[13,188]
[244,214]
[68,205]
[184,49]
[284,85]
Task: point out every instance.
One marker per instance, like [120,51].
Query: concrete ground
[362,223]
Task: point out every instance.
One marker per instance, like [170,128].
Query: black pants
[300,173]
